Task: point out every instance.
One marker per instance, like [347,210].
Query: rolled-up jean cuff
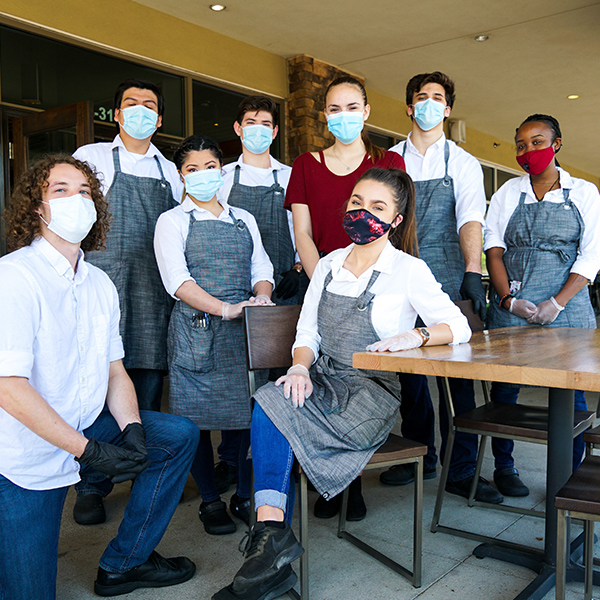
[270,498]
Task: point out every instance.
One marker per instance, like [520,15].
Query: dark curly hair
[22,216]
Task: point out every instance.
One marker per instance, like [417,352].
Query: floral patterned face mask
[364,227]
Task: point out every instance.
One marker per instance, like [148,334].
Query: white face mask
[71,218]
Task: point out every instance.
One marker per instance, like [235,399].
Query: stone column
[306,124]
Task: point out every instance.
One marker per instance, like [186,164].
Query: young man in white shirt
[450,213]
[257,183]
[60,365]
[139,184]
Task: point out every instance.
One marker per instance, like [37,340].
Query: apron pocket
[192,348]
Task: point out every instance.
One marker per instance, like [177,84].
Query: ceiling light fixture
[481,38]
[573,97]
[217,7]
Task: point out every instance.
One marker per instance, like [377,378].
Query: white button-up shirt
[170,238]
[464,168]
[60,330]
[100,156]
[584,196]
[404,289]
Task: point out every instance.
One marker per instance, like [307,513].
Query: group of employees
[173,253]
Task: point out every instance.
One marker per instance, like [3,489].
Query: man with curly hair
[60,364]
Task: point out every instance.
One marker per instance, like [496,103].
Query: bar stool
[580,499]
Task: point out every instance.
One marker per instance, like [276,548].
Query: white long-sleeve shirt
[584,196]
[464,168]
[404,289]
[170,237]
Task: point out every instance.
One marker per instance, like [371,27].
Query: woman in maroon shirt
[321,182]
[320,185]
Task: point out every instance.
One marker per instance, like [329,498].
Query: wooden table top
[557,357]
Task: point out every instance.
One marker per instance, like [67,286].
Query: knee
[171,433]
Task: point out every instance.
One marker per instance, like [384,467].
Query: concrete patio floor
[337,569]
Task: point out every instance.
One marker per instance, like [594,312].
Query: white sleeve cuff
[15,363]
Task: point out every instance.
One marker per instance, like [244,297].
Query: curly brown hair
[22,214]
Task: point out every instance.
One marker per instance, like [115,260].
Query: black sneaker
[509,483]
[157,571]
[271,588]
[215,518]
[89,509]
[484,493]
[266,550]
[240,508]
[225,476]
[404,474]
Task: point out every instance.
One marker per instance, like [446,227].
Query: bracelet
[509,295]
[556,305]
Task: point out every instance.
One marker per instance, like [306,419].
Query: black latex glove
[134,438]
[472,289]
[289,284]
[120,464]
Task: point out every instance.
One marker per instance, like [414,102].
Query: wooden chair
[510,421]
[579,498]
[270,332]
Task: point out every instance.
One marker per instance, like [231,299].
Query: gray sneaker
[266,549]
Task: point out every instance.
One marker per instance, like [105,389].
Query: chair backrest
[270,332]
[475,321]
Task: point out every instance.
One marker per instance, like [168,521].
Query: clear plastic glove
[546,313]
[403,341]
[472,289]
[234,311]
[262,300]
[119,463]
[297,384]
[522,308]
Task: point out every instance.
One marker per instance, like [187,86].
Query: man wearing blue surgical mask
[450,212]
[139,184]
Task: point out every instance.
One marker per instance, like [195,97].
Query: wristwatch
[424,333]
[297,267]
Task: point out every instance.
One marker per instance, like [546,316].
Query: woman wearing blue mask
[212,261]
[328,415]
[543,248]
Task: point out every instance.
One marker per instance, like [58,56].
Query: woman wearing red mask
[543,247]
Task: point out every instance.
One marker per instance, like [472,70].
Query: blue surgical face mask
[139,122]
[257,138]
[203,185]
[346,126]
[428,113]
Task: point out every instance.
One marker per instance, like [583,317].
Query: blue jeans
[30,520]
[148,384]
[273,460]
[203,467]
[503,448]
[418,419]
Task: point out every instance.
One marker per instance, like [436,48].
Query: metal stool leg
[561,553]
[435,521]
[418,524]
[478,465]
[588,558]
[304,584]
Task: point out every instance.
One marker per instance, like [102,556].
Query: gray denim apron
[207,360]
[135,204]
[439,244]
[350,412]
[266,205]
[542,241]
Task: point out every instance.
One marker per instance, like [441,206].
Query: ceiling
[538,53]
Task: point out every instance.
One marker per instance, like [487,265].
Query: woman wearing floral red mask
[543,247]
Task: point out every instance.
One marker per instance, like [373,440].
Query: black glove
[134,438]
[120,464]
[289,284]
[472,289]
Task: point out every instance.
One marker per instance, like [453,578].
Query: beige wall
[133,28]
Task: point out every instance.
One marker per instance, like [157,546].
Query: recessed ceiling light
[217,7]
[573,97]
[481,38]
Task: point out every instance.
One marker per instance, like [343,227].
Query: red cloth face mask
[535,161]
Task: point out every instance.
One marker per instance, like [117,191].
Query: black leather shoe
[509,483]
[157,571]
[484,493]
[273,587]
[326,509]
[357,510]
[215,518]
[404,474]
[240,508]
[225,476]
[89,509]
